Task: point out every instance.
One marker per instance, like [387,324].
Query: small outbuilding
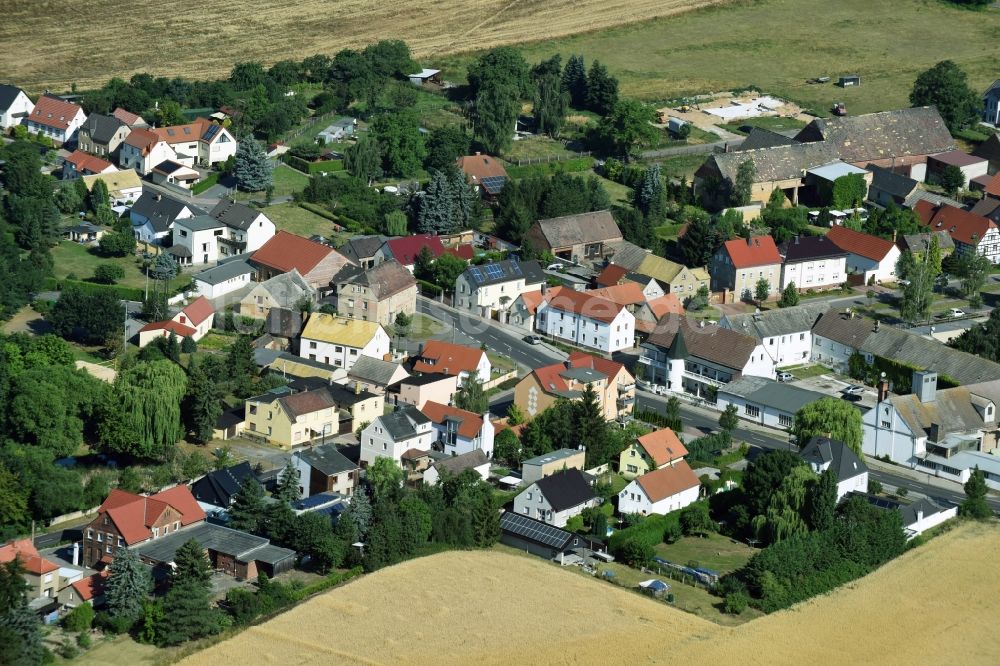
[425,76]
[848,80]
[654,587]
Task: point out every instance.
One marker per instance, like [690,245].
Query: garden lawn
[619,193]
[716,552]
[773,123]
[71,258]
[807,371]
[286,181]
[423,328]
[537,148]
[293,218]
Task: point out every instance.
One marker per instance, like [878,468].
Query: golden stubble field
[56,43]
[935,605]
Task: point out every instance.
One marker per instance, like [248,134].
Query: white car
[854,389]
[955,312]
[785,376]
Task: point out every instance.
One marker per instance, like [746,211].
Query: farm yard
[946,578]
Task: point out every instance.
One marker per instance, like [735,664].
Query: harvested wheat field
[936,604]
[53,43]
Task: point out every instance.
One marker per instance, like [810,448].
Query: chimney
[750,242]
[924,385]
[76,553]
[883,388]
[797,239]
[935,432]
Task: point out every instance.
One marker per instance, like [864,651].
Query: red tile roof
[87,162]
[285,251]
[666,304]
[180,330]
[91,586]
[184,133]
[611,275]
[24,551]
[629,293]
[531,300]
[126,117]
[143,139]
[465,252]
[479,167]
[180,498]
[758,251]
[962,225]
[53,112]
[133,515]
[550,376]
[470,423]
[861,244]
[583,303]
[449,359]
[198,310]
[662,446]
[579,359]
[406,248]
[668,481]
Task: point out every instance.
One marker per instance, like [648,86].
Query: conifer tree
[250,166]
[127,586]
[247,512]
[436,207]
[288,484]
[574,80]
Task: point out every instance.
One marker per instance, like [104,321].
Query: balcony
[626,388]
[626,401]
[703,379]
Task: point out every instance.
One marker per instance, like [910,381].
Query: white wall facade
[258,233]
[203,243]
[458,445]
[989,245]
[857,483]
[58,134]
[586,332]
[532,503]
[223,147]
[483,300]
[432,476]
[221,288]
[815,273]
[144,231]
[130,157]
[19,109]
[344,356]
[376,442]
[886,434]
[754,412]
[830,353]
[789,349]
[883,271]
[633,499]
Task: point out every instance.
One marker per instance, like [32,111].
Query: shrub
[84,641]
[634,552]
[79,619]
[188,345]
[108,273]
[735,603]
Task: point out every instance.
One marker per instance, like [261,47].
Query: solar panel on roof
[476,274]
[211,131]
[534,530]
[494,272]
[494,183]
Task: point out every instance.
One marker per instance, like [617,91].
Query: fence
[528,161]
[307,124]
[500,379]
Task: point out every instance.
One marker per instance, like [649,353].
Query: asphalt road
[469,330]
[706,423]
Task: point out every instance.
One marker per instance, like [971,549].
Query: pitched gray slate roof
[777,163]
[628,255]
[373,370]
[504,271]
[808,248]
[953,409]
[565,489]
[877,136]
[770,393]
[226,270]
[402,424]
[935,198]
[287,288]
[8,94]
[596,227]
[458,464]
[244,547]
[235,215]
[161,210]
[844,462]
[327,459]
[917,242]
[713,343]
[200,223]
[764,138]
[782,321]
[363,246]
[101,127]
[385,280]
[895,184]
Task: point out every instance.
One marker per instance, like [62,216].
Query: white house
[196,240]
[661,491]
[391,435]
[142,150]
[248,227]
[459,431]
[851,473]
[153,215]
[873,257]
[229,230]
[15,106]
[785,333]
[765,401]
[201,142]
[556,498]
[124,187]
[57,119]
[439,357]
[340,342]
[489,288]
[969,232]
[701,358]
[812,262]
[229,276]
[194,321]
[585,320]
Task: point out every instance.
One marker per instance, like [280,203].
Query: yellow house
[613,384]
[677,278]
[650,452]
[287,419]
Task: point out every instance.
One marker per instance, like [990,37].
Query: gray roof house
[228,275]
[760,137]
[236,215]
[392,435]
[785,333]
[374,374]
[101,135]
[283,290]
[575,237]
[153,215]
[850,472]
[454,465]
[889,188]
[324,469]
[765,401]
[362,250]
[556,498]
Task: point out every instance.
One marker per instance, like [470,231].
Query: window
[886,424]
[121,542]
[177,525]
[156,532]
[107,549]
[632,468]
[312,345]
[752,410]
[90,534]
[338,349]
[100,537]
[253,409]
[785,421]
[802,336]
[528,496]
[384,446]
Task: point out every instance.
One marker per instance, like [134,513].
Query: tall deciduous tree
[470,395]
[503,66]
[251,167]
[551,104]
[144,416]
[385,476]
[127,586]
[746,174]
[363,160]
[761,290]
[496,110]
[626,127]
[445,145]
[832,418]
[946,86]
[973,269]
[398,135]
[729,418]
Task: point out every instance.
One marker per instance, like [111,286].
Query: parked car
[533,339]
[903,283]
[955,312]
[553,267]
[785,376]
[854,389]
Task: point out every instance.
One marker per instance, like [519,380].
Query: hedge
[304,166]
[650,531]
[429,289]
[319,210]
[573,165]
[331,580]
[210,180]
[124,293]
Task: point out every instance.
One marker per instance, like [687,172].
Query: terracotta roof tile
[668,481]
[24,551]
[582,303]
[53,112]
[285,251]
[179,329]
[86,162]
[469,423]
[133,515]
[405,249]
[611,275]
[143,139]
[449,359]
[662,446]
[962,225]
[629,293]
[91,586]
[126,117]
[758,251]
[861,244]
[199,310]
[666,304]
[579,359]
[479,167]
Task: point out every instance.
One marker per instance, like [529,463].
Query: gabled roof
[469,423]
[878,136]
[348,332]
[662,446]
[963,226]
[199,130]
[307,402]
[780,321]
[177,328]
[143,139]
[24,551]
[402,424]
[285,251]
[659,268]
[384,280]
[844,462]
[199,310]
[629,293]
[374,370]
[448,358]
[161,210]
[91,586]
[218,486]
[918,242]
[760,137]
[8,94]
[364,247]
[235,215]
[455,465]
[775,163]
[859,243]
[579,359]
[531,300]
[566,489]
[326,459]
[612,274]
[53,112]
[86,162]
[582,303]
[133,514]
[536,531]
[483,170]
[116,181]
[710,342]
[286,288]
[127,117]
[847,329]
[226,271]
[405,249]
[580,229]
[667,481]
[767,392]
[809,248]
[507,270]
[101,128]
[957,158]
[756,251]
[666,304]
[895,184]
